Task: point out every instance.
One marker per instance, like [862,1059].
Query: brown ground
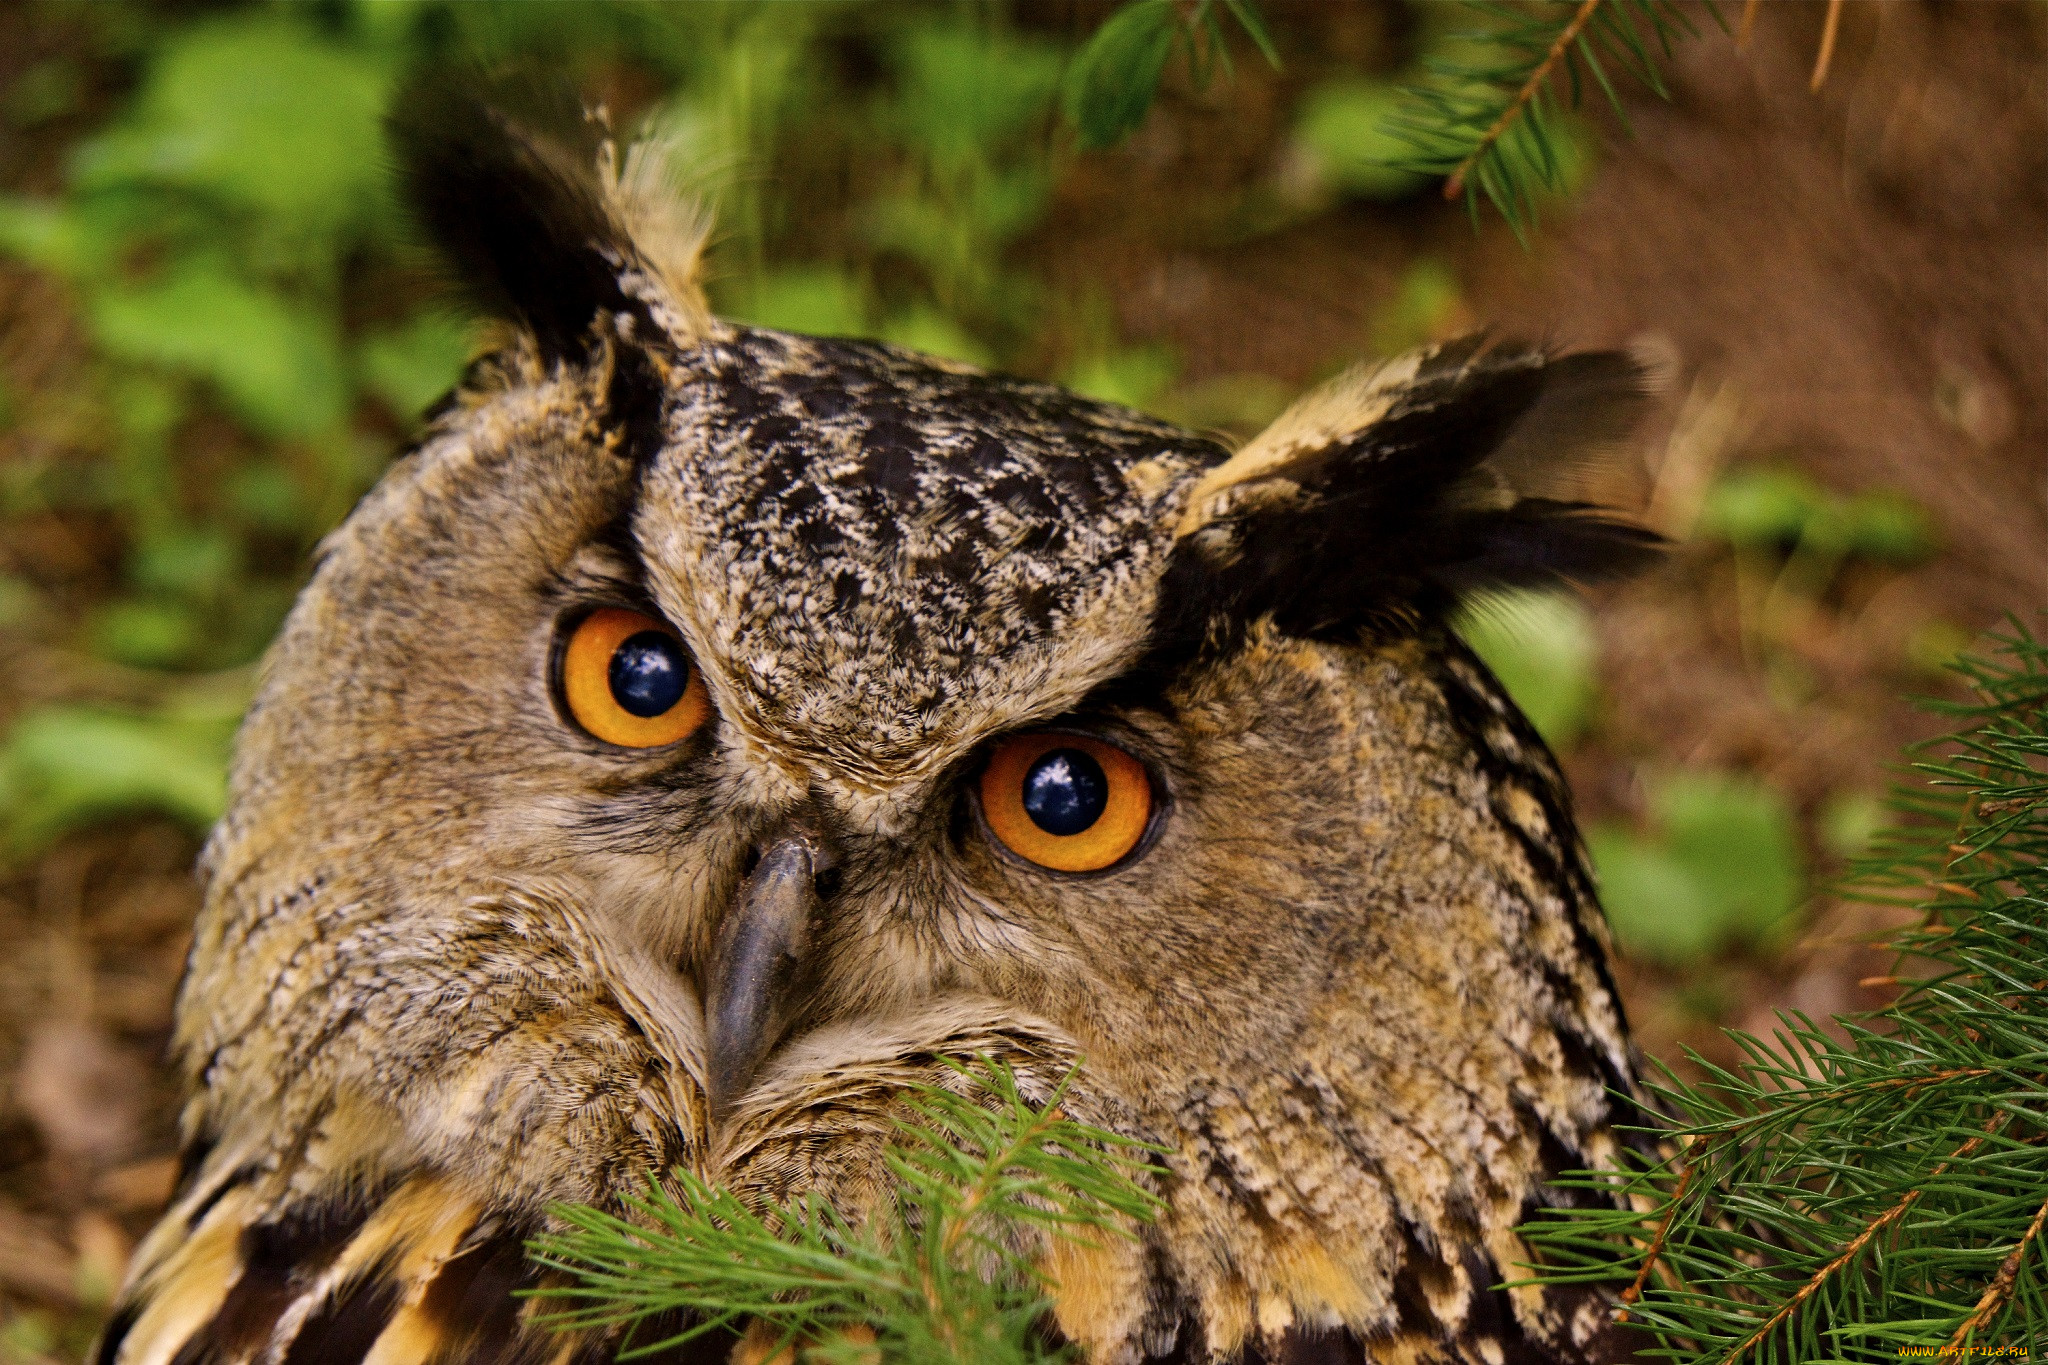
[1854,282]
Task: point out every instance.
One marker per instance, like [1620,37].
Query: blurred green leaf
[413,366]
[1655,907]
[1112,82]
[66,766]
[57,237]
[1006,204]
[1344,126]
[269,497]
[1239,404]
[968,88]
[1131,375]
[1935,645]
[277,361]
[188,561]
[1851,821]
[27,1337]
[1739,839]
[1889,527]
[1542,647]
[389,22]
[146,632]
[1428,298]
[818,299]
[260,111]
[931,332]
[19,601]
[50,89]
[1721,867]
[1779,507]
[1761,507]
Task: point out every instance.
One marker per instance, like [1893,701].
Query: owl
[704,735]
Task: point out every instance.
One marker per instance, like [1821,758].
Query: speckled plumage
[452,962]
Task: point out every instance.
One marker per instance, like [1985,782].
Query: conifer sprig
[948,1271]
[1486,114]
[1841,1199]
[1112,81]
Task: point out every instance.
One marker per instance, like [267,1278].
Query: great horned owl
[704,732]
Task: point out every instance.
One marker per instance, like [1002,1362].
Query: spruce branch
[1113,80]
[946,1271]
[2000,1289]
[1844,1196]
[1454,184]
[1857,1245]
[1487,114]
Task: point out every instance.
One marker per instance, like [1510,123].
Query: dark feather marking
[1308,1346]
[200,1351]
[191,1160]
[472,1300]
[1399,515]
[342,1330]
[1491,1317]
[218,1193]
[1567,876]
[519,218]
[522,221]
[281,1257]
[635,403]
[115,1332]
[1171,1332]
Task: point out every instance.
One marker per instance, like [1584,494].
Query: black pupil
[648,673]
[1065,792]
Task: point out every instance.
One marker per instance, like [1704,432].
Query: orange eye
[1066,802]
[628,680]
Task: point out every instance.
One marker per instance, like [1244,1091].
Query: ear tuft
[1443,473]
[548,229]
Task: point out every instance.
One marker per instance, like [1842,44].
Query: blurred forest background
[215,332]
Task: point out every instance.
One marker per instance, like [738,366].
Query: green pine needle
[1114,78]
[1485,115]
[1836,1200]
[947,1273]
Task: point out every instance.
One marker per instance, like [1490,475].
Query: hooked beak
[761,963]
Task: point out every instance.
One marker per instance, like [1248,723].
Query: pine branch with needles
[1877,1190]
[1487,114]
[947,1272]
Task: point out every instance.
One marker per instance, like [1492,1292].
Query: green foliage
[1112,82]
[412,364]
[1134,376]
[966,111]
[1427,300]
[258,113]
[1842,1195]
[1346,126]
[1490,112]
[1720,867]
[278,366]
[1541,647]
[943,1273]
[1777,507]
[64,766]
[817,299]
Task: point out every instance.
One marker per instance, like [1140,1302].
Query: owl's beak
[761,962]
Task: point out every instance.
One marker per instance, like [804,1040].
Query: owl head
[704,733]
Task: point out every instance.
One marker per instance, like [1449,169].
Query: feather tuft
[1441,474]
[545,225]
